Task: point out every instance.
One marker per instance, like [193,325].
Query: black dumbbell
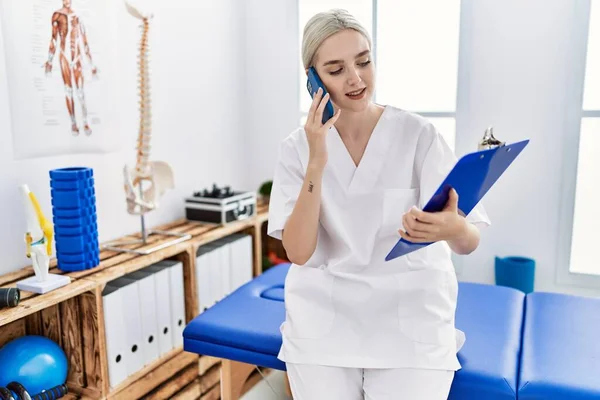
[5,394]
[19,390]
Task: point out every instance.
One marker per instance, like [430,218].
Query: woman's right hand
[316,131]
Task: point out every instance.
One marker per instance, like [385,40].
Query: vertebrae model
[39,234]
[156,175]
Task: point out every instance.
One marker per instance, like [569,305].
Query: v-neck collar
[360,179]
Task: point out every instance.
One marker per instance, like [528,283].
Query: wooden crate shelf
[73,316]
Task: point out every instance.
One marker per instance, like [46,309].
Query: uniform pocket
[308,303]
[396,202]
[426,307]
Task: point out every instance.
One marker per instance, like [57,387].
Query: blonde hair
[323,25]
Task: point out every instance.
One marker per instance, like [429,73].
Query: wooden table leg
[233,376]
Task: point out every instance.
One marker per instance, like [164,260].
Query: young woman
[358,327]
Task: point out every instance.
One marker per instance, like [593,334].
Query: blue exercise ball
[36,362]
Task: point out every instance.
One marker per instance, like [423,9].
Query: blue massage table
[243,330]
[561,348]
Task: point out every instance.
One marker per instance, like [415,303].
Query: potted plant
[264,191]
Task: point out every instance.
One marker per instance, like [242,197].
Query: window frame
[575,87]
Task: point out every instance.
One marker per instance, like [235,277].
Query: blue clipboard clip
[472,176]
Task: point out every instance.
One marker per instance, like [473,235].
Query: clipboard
[472,176]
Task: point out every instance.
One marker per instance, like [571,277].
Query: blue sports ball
[36,362]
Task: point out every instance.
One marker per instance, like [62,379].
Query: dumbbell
[55,393]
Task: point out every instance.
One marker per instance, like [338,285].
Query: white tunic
[347,306]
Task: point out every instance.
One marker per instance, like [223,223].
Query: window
[586,213]
[415,53]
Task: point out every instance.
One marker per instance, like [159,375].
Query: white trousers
[316,382]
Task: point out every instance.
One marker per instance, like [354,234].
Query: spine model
[142,169]
[156,176]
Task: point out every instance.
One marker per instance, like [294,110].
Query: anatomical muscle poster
[61,74]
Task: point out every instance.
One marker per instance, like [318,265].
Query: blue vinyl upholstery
[561,348]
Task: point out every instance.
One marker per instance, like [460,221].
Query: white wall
[197,81]
[272,103]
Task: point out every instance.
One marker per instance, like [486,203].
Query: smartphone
[313,84]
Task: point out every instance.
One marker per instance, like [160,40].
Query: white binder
[114,327]
[163,306]
[220,267]
[203,279]
[135,358]
[147,293]
[242,259]
[213,273]
[221,247]
[177,300]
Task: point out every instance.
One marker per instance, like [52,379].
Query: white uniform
[347,306]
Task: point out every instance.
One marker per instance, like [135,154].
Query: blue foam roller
[81,193]
[76,230]
[78,221]
[71,173]
[77,184]
[76,246]
[89,248]
[73,202]
[78,266]
[76,240]
[515,272]
[77,257]
[73,212]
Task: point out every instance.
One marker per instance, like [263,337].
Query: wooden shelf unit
[73,317]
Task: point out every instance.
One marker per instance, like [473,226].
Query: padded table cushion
[491,318]
[243,326]
[561,348]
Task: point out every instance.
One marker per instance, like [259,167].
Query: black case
[240,206]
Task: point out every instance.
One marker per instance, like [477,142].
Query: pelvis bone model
[147,182]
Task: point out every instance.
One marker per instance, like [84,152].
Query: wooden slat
[11,278]
[137,263]
[72,342]
[86,393]
[201,230]
[12,331]
[121,258]
[33,305]
[51,323]
[257,250]
[222,231]
[213,394]
[148,378]
[173,385]
[188,259]
[33,324]
[106,254]
[71,396]
[94,341]
[8,280]
[210,378]
[190,392]
[207,362]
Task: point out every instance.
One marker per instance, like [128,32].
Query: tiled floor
[262,391]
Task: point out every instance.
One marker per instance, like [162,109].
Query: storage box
[235,207]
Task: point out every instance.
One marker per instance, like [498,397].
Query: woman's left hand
[425,227]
